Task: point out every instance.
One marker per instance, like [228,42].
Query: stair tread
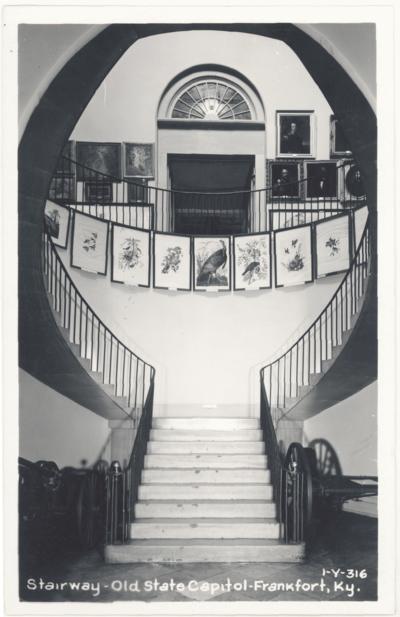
[212,542]
[212,520]
[205,501]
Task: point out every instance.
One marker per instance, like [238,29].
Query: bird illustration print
[208,272]
[252,269]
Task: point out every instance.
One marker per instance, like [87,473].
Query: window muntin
[211,99]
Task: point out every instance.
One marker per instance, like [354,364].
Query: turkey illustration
[208,271]
[251,270]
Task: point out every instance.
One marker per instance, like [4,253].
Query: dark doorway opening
[212,195]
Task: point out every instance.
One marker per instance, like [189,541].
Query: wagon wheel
[327,465]
[298,484]
[90,510]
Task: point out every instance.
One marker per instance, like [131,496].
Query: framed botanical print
[139,160]
[284,180]
[89,249]
[103,157]
[332,245]
[57,223]
[293,217]
[212,263]
[172,261]
[295,134]
[360,217]
[98,192]
[293,256]
[63,188]
[252,261]
[339,146]
[321,180]
[130,256]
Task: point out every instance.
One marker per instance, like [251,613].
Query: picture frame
[333,245]
[172,261]
[252,261]
[137,191]
[139,160]
[89,246]
[130,255]
[351,185]
[63,188]
[322,180]
[98,192]
[211,263]
[57,222]
[295,134]
[102,157]
[339,146]
[360,216]
[293,256]
[293,217]
[285,180]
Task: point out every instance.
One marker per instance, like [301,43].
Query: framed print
[139,160]
[321,180]
[295,133]
[282,219]
[252,261]
[99,156]
[172,261]
[293,256]
[360,216]
[352,188]
[137,191]
[57,223]
[89,243]
[130,256]
[63,188]
[98,192]
[332,245]
[211,263]
[339,146]
[284,179]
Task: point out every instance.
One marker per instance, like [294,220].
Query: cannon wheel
[90,509]
[296,458]
[327,462]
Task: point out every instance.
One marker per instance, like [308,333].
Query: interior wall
[54,428]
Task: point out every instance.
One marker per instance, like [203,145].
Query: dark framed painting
[89,250]
[137,191]
[139,160]
[252,262]
[98,192]
[293,217]
[332,245]
[63,188]
[212,263]
[293,256]
[57,223]
[284,178]
[172,261]
[103,157]
[130,256]
[322,182]
[351,185]
[295,134]
[339,146]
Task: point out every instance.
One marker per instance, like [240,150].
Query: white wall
[52,427]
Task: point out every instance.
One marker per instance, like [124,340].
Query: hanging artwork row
[244,262]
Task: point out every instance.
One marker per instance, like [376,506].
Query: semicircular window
[211,100]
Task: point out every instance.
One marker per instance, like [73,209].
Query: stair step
[213,461]
[219,424]
[199,476]
[202,550]
[205,435]
[205,447]
[204,528]
[178,508]
[205,491]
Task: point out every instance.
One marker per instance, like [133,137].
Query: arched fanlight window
[211,99]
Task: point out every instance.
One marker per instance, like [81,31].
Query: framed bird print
[171,261]
[252,262]
[333,249]
[130,256]
[212,263]
[57,223]
[89,243]
[293,256]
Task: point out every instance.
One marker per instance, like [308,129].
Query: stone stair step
[205,447]
[205,435]
[213,461]
[199,476]
[179,508]
[193,424]
[204,528]
[204,550]
[205,491]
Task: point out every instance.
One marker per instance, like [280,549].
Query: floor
[346,543]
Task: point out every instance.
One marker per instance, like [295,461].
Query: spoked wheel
[90,510]
[297,493]
[328,470]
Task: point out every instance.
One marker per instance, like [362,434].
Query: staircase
[205,496]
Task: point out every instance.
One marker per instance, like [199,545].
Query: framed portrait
[212,263]
[98,192]
[293,256]
[172,260]
[339,146]
[130,256]
[137,191]
[332,245]
[295,134]
[139,160]
[89,249]
[99,156]
[57,223]
[321,180]
[284,179]
[360,217]
[63,188]
[282,219]
[252,261]
[351,184]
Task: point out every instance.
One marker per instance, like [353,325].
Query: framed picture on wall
[99,156]
[139,160]
[284,179]
[339,146]
[172,261]
[360,217]
[57,223]
[89,250]
[293,256]
[63,188]
[252,261]
[212,263]
[98,192]
[295,134]
[130,250]
[351,185]
[333,245]
[321,180]
[282,219]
